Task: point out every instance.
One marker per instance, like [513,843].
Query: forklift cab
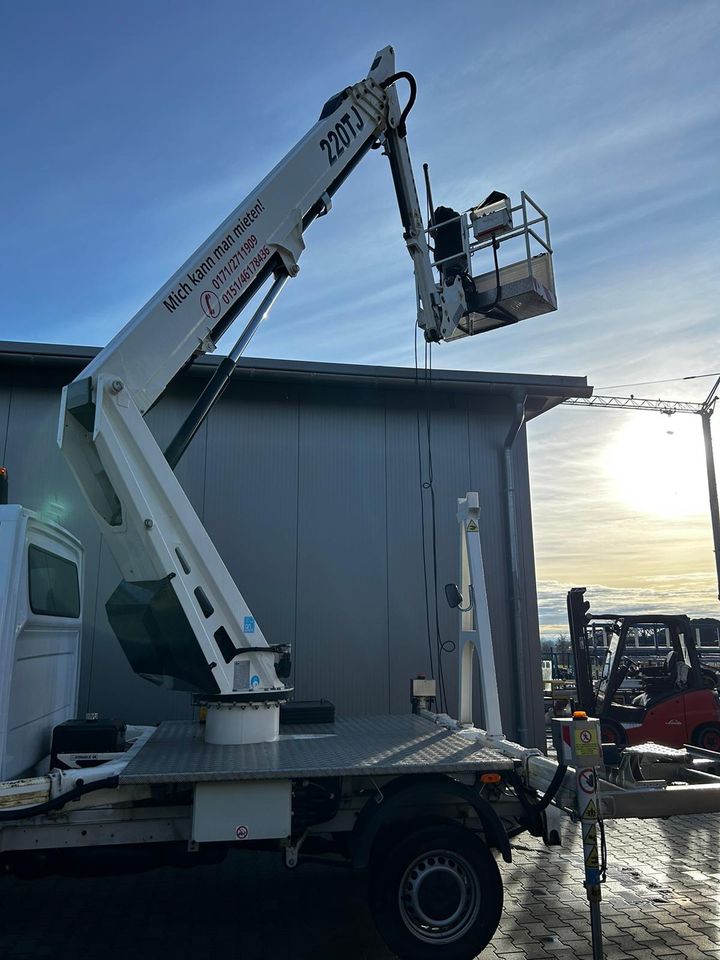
[665,698]
[676,672]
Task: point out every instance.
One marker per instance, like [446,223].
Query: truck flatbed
[384,745]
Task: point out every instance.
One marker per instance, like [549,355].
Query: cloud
[693,595]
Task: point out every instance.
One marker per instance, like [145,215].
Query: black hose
[403,75]
[504,314]
[552,789]
[58,802]
[547,798]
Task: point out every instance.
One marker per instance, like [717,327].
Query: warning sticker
[590,811]
[591,857]
[591,835]
[241,832]
[586,779]
[587,742]
[241,675]
[472,527]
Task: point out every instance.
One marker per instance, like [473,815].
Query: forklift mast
[578,619]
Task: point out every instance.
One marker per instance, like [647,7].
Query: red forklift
[672,701]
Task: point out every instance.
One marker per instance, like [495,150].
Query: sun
[656,465]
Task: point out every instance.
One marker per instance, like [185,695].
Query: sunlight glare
[656,465]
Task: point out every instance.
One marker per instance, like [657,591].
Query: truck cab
[41,606]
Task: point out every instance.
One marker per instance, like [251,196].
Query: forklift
[674,703]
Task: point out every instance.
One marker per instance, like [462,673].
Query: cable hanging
[437,646]
[426,484]
[645,383]
[422,519]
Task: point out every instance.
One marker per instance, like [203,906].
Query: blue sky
[133,129]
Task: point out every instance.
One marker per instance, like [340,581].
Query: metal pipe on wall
[514,558]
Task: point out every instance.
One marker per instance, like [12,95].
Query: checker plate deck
[380,745]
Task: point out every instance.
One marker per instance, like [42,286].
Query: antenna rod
[428,193]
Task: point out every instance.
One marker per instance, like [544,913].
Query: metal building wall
[311,493]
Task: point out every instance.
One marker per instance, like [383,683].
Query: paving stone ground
[662,900]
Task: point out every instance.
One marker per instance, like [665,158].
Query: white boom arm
[178,614]
[264,234]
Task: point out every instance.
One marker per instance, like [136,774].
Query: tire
[613,732]
[437,894]
[707,736]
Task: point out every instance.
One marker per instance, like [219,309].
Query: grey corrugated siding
[312,496]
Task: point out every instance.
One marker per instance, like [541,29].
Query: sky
[133,129]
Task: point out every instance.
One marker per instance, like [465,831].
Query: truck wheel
[437,893]
[707,736]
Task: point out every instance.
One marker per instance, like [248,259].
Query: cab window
[53,584]
[708,636]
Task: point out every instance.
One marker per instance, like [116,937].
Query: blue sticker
[255,681]
[249,625]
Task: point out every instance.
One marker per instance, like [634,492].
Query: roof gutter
[544,392]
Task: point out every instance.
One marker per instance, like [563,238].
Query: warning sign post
[586,753]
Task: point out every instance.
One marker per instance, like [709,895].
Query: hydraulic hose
[547,798]
[56,803]
[403,75]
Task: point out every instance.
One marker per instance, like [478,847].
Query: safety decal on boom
[241,675]
[472,527]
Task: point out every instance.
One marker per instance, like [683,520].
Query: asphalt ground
[662,899]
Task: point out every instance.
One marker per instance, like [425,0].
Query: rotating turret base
[237,720]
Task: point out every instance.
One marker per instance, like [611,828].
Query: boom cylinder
[220,379]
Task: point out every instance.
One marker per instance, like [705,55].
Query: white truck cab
[41,576]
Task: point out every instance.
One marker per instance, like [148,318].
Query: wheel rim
[439,897]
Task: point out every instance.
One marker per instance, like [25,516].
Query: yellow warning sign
[591,857]
[590,811]
[591,835]
[472,526]
[586,741]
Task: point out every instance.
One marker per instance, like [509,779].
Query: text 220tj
[339,137]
